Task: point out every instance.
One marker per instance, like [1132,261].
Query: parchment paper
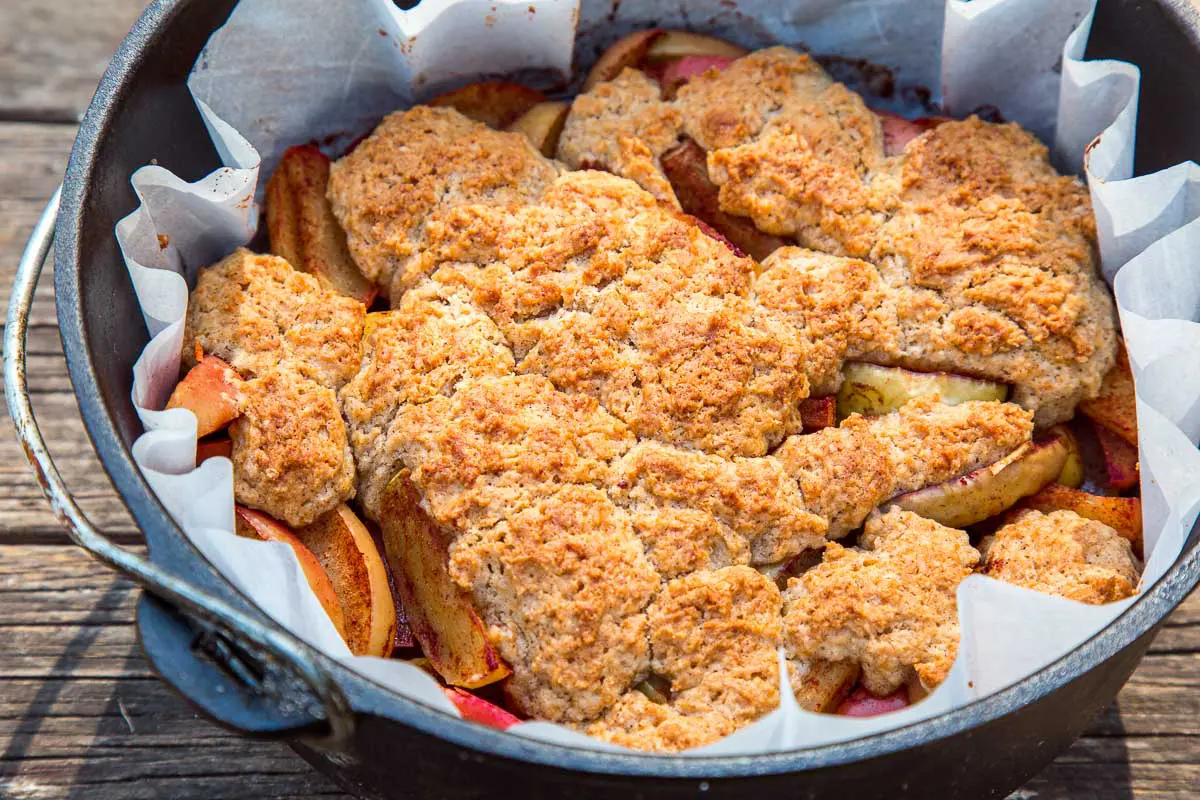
[282,72]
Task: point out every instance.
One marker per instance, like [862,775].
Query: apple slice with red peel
[476,709]
[253,524]
[494,103]
[872,390]
[301,226]
[678,72]
[1116,407]
[686,167]
[1120,460]
[348,554]
[818,412]
[824,685]
[862,703]
[988,490]
[898,131]
[674,45]
[210,391]
[212,448]
[542,125]
[628,51]
[1122,514]
[442,616]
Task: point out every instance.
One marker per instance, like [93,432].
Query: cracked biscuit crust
[416,161]
[985,256]
[694,511]
[715,637]
[513,379]
[610,295]
[1064,554]
[290,454]
[295,343]
[847,471]
[889,605]
[256,313]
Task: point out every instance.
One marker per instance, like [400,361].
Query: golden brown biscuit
[695,511]
[847,471]
[290,454]
[1062,553]
[985,256]
[714,636]
[890,606]
[257,313]
[417,161]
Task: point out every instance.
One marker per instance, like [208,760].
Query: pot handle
[238,668]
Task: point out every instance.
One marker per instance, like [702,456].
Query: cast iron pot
[244,671]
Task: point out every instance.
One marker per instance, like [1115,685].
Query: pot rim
[1147,612]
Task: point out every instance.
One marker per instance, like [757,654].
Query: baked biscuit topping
[614,435]
[256,313]
[984,256]
[296,343]
[889,606]
[415,161]
[1062,553]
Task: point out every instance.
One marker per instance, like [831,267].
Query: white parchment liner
[282,72]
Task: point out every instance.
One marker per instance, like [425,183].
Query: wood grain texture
[53,52]
[81,716]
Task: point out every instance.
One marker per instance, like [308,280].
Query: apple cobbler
[593,409]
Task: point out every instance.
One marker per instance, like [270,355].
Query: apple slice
[476,709]
[1115,407]
[442,616]
[1120,460]
[898,131]
[686,167]
[212,448]
[862,703]
[872,390]
[818,412]
[542,125]
[301,226]
[673,45]
[628,51]
[678,72]
[346,550]
[825,684]
[656,688]
[494,103]
[988,490]
[1072,472]
[1122,514]
[210,390]
[257,525]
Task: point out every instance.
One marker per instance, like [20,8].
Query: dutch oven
[246,672]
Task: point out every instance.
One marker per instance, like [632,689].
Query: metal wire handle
[221,623]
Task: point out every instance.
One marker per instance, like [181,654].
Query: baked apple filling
[710,363]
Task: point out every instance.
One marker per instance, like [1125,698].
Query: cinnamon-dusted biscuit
[1062,553]
[415,162]
[714,638]
[889,605]
[256,313]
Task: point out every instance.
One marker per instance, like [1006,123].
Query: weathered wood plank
[35,158]
[80,707]
[52,54]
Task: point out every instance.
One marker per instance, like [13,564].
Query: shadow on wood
[1097,765]
[35,713]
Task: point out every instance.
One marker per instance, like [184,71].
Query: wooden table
[80,714]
